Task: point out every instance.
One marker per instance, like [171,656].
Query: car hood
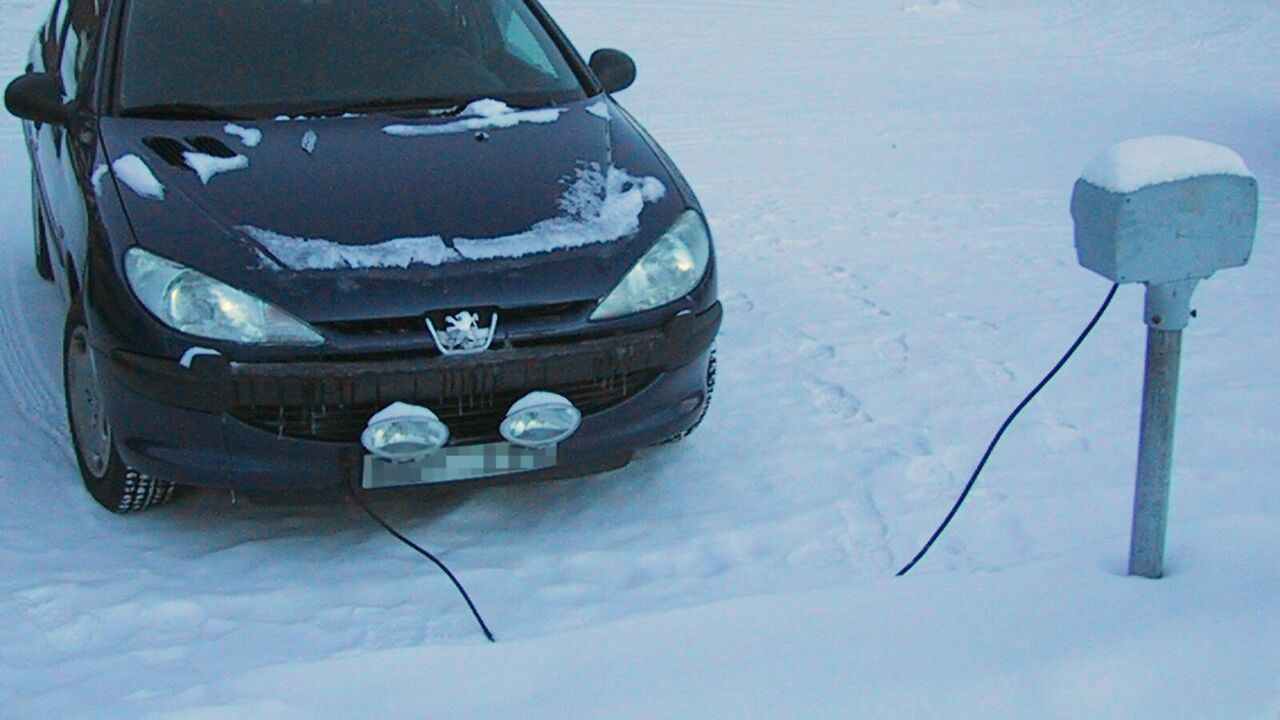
[372,217]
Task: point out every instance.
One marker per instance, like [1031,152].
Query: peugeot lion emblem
[464,335]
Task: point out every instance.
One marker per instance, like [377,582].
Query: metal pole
[1155,452]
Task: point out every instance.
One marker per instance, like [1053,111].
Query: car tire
[706,404]
[44,263]
[116,486]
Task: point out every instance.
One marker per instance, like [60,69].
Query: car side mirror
[616,69]
[37,97]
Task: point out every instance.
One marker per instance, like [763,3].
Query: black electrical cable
[1009,421]
[394,533]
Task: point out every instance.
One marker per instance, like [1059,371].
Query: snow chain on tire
[113,484]
[142,492]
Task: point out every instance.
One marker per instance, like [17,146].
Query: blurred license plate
[456,464]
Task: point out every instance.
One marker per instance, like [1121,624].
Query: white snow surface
[601,110]
[249,137]
[487,114]
[99,173]
[895,256]
[538,399]
[1135,164]
[192,353]
[402,411]
[209,166]
[600,205]
[935,7]
[137,176]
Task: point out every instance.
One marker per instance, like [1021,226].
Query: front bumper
[297,425]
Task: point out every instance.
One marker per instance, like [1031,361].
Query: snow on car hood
[480,115]
[522,210]
[600,205]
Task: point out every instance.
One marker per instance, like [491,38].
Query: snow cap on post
[1161,210]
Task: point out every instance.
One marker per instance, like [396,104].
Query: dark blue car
[317,243]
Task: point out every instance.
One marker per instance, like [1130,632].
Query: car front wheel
[706,402]
[116,486]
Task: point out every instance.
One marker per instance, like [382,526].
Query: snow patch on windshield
[296,253]
[480,115]
[206,166]
[133,172]
[1135,164]
[99,173]
[250,137]
[601,110]
[599,206]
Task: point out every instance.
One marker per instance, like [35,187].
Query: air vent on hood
[210,146]
[168,149]
[171,150]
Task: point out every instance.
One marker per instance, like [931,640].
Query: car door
[62,153]
[41,137]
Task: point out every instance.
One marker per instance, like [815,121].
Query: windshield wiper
[182,111]
[431,107]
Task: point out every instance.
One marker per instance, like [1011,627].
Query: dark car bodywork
[270,416]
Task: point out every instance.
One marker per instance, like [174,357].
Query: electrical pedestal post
[1166,319]
[1168,213]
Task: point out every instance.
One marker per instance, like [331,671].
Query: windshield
[265,57]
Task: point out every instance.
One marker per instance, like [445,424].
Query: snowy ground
[888,181]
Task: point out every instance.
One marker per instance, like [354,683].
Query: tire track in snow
[866,536]
[35,392]
[1141,30]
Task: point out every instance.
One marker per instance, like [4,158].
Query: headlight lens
[194,303]
[671,269]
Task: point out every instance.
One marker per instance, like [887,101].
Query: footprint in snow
[835,400]
[840,274]
[869,306]
[1058,437]
[930,478]
[738,302]
[994,372]
[893,348]
[814,349]
[973,320]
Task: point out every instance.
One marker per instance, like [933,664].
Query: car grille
[415,325]
[471,404]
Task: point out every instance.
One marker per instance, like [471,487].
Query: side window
[51,33]
[521,43]
[77,43]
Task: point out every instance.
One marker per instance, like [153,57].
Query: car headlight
[194,303]
[671,269]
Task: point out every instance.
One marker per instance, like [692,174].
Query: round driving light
[404,433]
[540,419]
